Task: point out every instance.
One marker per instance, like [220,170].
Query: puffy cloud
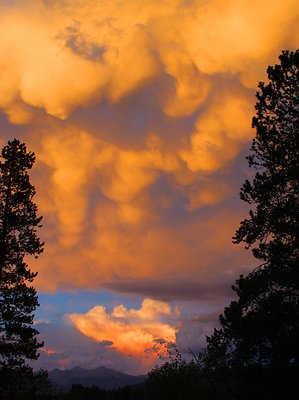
[234,37]
[66,348]
[221,131]
[68,158]
[141,336]
[134,332]
[77,339]
[138,112]
[93,49]
[35,67]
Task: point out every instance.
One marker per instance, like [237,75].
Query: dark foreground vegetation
[79,392]
[255,353]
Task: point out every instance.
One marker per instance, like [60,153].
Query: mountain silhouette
[102,377]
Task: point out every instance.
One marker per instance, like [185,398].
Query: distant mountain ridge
[102,377]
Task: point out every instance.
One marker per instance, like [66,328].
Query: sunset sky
[139,112]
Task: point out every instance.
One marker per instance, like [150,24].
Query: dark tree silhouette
[18,300]
[176,379]
[259,337]
[275,188]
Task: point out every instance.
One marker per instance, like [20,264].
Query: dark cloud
[174,289]
[106,343]
[191,336]
[78,44]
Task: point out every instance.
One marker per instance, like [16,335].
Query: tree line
[254,355]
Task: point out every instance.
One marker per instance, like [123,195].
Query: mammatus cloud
[138,130]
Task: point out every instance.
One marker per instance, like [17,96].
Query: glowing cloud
[138,112]
[132,332]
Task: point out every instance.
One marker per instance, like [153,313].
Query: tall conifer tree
[18,299]
[259,337]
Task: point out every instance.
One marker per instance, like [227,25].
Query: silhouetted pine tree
[18,300]
[259,337]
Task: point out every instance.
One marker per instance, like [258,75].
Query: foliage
[80,392]
[258,340]
[18,299]
[177,379]
[255,353]
[275,187]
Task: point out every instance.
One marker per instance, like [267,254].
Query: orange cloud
[68,157]
[208,193]
[138,112]
[130,331]
[35,67]
[48,351]
[220,133]
[125,47]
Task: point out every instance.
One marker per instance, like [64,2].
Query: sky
[139,112]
